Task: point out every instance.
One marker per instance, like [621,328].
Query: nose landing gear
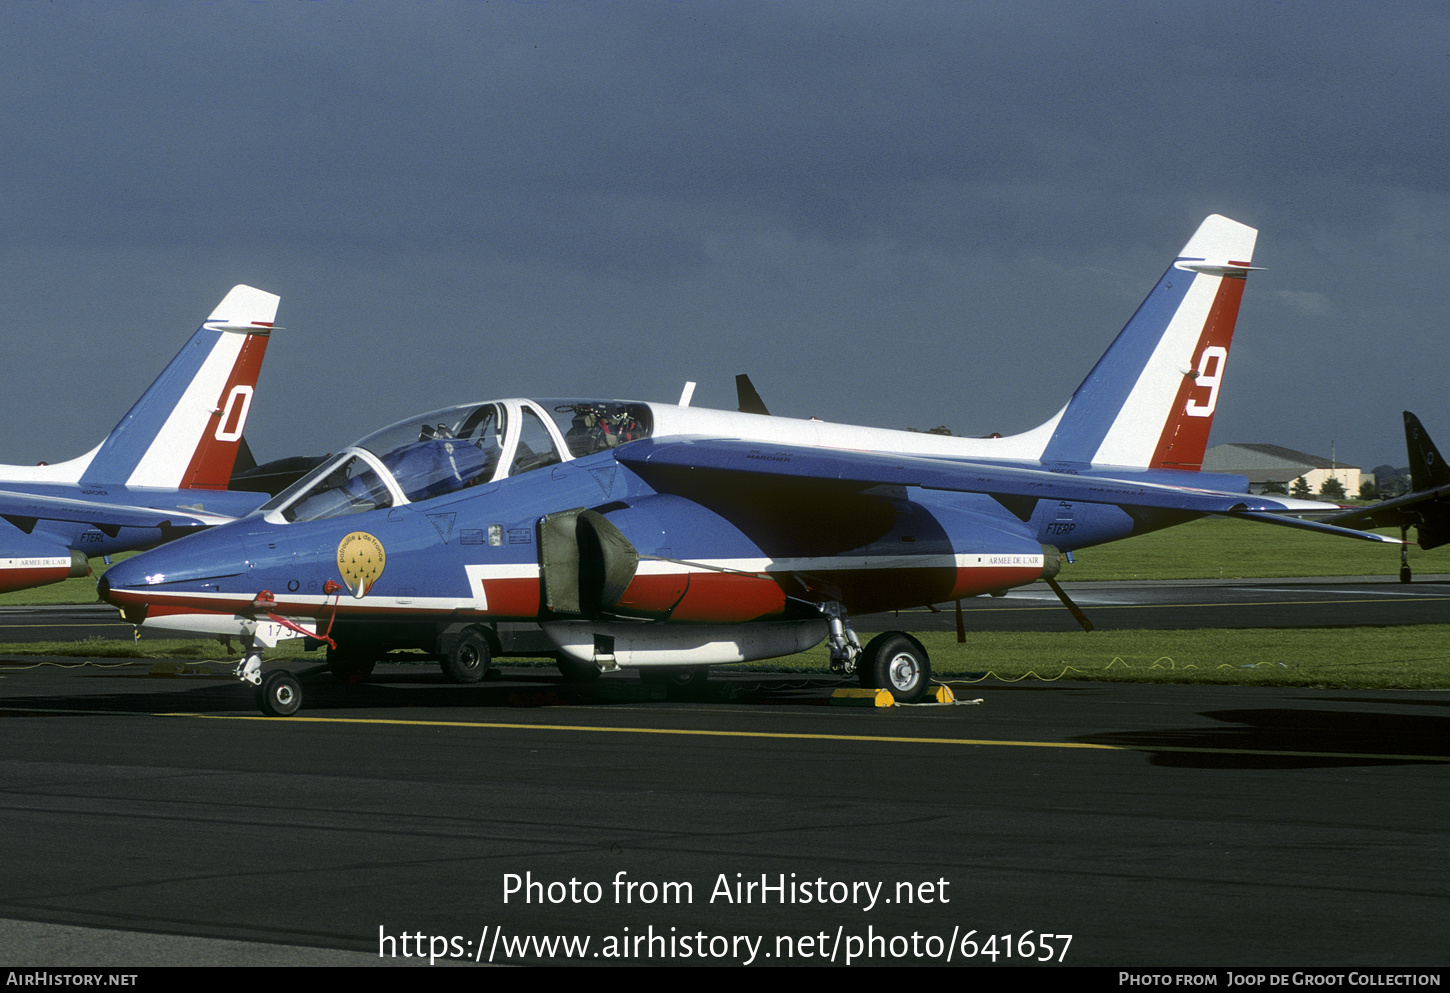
[280,694]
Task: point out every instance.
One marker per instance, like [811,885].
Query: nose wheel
[280,694]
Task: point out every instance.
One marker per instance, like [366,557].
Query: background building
[1265,464]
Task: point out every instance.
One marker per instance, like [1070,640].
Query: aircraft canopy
[446,450]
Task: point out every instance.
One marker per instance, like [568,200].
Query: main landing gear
[897,662]
[468,660]
[892,661]
[1405,575]
[349,666]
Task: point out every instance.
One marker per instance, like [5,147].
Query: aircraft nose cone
[198,564]
[113,586]
[121,577]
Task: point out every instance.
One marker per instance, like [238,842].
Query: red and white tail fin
[185,431]
[1150,400]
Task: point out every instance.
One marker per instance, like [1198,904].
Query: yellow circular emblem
[360,559]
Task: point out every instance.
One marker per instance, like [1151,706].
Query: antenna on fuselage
[686,393]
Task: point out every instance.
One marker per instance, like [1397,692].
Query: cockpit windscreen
[434,454]
[426,456]
[441,452]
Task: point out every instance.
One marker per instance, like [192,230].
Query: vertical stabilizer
[186,429]
[1150,400]
[1428,471]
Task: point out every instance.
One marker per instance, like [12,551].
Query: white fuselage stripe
[49,562]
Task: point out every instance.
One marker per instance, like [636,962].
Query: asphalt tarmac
[157,818]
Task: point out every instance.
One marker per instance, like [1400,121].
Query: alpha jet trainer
[1426,507]
[659,536]
[162,472]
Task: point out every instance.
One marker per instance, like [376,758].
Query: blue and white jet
[161,473]
[669,538]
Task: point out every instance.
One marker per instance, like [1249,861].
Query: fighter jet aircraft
[668,538]
[162,472]
[1426,508]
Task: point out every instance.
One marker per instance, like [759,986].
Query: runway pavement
[1155,825]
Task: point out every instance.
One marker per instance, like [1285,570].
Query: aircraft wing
[663,460]
[20,507]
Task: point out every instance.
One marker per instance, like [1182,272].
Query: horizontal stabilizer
[1400,511]
[275,476]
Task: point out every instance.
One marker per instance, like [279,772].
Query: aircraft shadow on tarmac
[1283,738]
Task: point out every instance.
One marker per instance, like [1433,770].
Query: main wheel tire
[468,662]
[576,670]
[897,662]
[280,694]
[350,665]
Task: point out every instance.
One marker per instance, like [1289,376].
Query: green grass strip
[1400,657]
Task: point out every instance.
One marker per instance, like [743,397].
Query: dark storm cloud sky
[887,213]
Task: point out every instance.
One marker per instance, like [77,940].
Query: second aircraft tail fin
[1428,471]
[185,431]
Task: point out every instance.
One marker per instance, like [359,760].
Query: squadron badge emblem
[360,559]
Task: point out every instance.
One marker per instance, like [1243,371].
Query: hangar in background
[1265,464]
